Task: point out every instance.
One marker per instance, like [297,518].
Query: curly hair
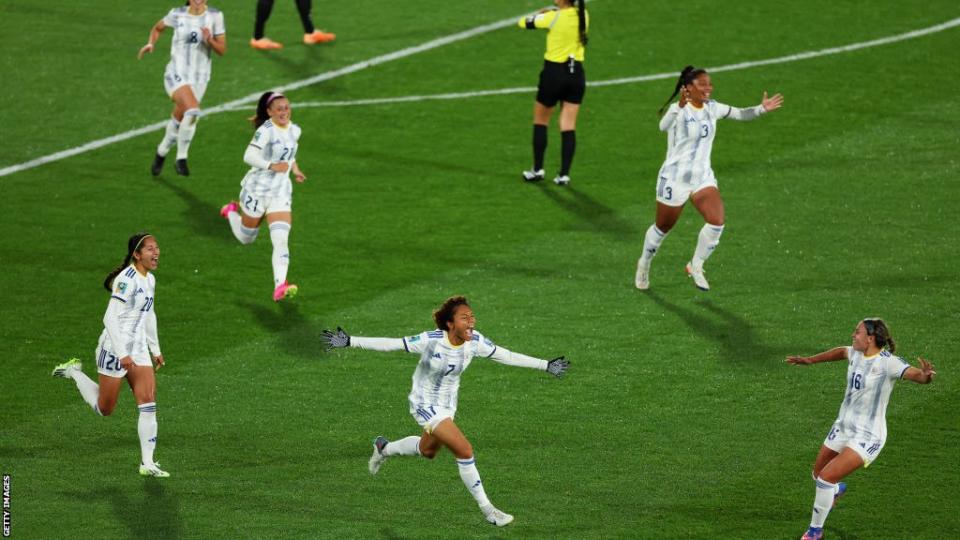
[443,315]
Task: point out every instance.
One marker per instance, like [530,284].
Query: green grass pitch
[678,418]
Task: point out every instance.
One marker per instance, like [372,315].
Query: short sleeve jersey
[869,383]
[436,380]
[690,141]
[563,37]
[135,292]
[274,144]
[190,56]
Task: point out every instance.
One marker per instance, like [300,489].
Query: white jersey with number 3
[274,144]
[690,134]
[869,382]
[190,56]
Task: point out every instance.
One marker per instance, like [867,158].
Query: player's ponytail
[444,314]
[133,246]
[582,21]
[881,334]
[262,105]
[687,76]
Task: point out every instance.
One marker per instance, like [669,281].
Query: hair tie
[135,248]
[273,96]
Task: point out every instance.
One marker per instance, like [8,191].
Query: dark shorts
[561,82]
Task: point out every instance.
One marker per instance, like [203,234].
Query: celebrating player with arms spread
[444,355]
[860,431]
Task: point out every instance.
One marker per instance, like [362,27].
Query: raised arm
[539,20]
[557,366]
[922,375]
[767,104]
[340,339]
[834,354]
[154,36]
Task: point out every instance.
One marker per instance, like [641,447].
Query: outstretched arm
[340,338]
[837,353]
[557,367]
[922,375]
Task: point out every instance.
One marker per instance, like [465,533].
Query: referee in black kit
[562,79]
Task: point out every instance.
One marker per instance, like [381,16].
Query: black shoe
[157,165]
[181,167]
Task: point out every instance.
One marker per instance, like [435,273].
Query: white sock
[147,429]
[651,243]
[823,502]
[279,232]
[706,242]
[471,479]
[243,234]
[88,389]
[407,446]
[187,128]
[169,138]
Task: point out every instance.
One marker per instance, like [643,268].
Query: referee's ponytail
[687,76]
[582,21]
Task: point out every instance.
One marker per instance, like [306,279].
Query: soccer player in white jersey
[197,30]
[444,355]
[860,431]
[691,125]
[128,341]
[266,190]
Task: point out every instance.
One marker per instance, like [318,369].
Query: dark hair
[444,314]
[582,20]
[881,334]
[687,76]
[262,104]
[133,245]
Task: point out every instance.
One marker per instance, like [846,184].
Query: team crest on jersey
[121,287]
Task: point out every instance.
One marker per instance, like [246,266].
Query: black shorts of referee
[561,81]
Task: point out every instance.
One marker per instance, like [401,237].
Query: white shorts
[172,81]
[256,206]
[109,364]
[676,193]
[430,416]
[867,446]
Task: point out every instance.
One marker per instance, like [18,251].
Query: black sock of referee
[568,147]
[263,13]
[539,145]
[303,6]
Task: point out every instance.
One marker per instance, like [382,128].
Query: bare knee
[106,409]
[465,452]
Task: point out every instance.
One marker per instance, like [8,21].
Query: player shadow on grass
[733,333]
[592,212]
[155,515]
[204,218]
[297,336]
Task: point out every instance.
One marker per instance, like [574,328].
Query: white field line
[645,78]
[365,64]
[439,42]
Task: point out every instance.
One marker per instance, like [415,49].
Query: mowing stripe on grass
[439,42]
